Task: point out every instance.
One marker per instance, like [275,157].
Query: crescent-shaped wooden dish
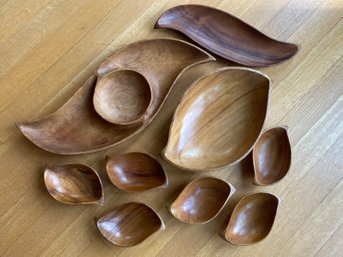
[76,128]
[201,200]
[129,224]
[135,172]
[272,156]
[218,120]
[252,219]
[73,184]
[225,35]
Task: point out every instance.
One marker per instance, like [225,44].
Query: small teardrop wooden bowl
[129,224]
[135,172]
[122,97]
[201,200]
[272,156]
[74,184]
[252,219]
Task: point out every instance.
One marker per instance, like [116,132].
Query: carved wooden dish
[74,184]
[130,224]
[76,128]
[226,35]
[122,97]
[272,156]
[252,219]
[135,172]
[218,120]
[201,200]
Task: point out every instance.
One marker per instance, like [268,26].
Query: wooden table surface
[48,48]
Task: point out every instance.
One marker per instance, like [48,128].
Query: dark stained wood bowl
[201,200]
[73,184]
[225,35]
[272,156]
[135,172]
[129,224]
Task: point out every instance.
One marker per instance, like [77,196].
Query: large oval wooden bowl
[272,156]
[219,119]
[201,200]
[252,219]
[129,224]
[226,35]
[74,184]
[135,172]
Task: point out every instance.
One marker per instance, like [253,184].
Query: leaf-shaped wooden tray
[76,128]
[225,35]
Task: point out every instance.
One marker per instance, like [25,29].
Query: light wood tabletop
[48,48]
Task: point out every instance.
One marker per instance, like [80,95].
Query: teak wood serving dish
[252,219]
[129,224]
[226,35]
[76,128]
[135,172]
[218,120]
[74,184]
[272,156]
[201,200]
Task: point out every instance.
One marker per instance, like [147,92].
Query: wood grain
[49,48]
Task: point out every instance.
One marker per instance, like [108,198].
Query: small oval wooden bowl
[218,120]
[122,97]
[252,219]
[129,224]
[272,156]
[135,172]
[74,184]
[201,200]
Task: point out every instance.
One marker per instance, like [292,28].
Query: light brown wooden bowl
[201,200]
[135,172]
[272,156]
[225,35]
[252,219]
[73,184]
[122,97]
[76,128]
[219,119]
[129,224]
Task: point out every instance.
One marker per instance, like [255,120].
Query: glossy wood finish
[272,156]
[135,172]
[201,200]
[252,219]
[225,35]
[219,119]
[129,224]
[122,97]
[73,184]
[76,128]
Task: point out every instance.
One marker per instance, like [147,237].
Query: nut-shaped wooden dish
[135,172]
[129,224]
[272,156]
[122,97]
[219,119]
[225,35]
[76,128]
[201,200]
[73,184]
[252,219]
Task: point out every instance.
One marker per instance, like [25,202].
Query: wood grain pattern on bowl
[219,119]
[201,200]
[129,224]
[272,156]
[76,128]
[252,219]
[73,183]
[225,35]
